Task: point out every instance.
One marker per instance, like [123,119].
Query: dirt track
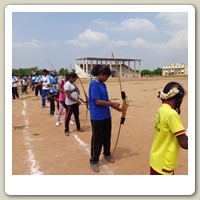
[39,147]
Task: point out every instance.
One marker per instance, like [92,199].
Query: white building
[119,66]
[175,69]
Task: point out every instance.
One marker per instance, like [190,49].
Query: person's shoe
[95,167]
[57,123]
[71,122]
[80,130]
[51,114]
[67,134]
[109,159]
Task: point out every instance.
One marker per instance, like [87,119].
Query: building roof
[109,59]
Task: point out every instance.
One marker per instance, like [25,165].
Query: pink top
[62,95]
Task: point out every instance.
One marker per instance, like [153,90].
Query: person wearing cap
[53,92]
[24,85]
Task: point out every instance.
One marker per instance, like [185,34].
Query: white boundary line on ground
[34,166]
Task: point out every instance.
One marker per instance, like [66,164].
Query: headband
[168,95]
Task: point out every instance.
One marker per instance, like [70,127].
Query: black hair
[99,69]
[72,75]
[67,76]
[178,97]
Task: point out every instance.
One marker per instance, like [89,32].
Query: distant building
[175,69]
[119,66]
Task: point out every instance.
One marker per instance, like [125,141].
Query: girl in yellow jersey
[169,134]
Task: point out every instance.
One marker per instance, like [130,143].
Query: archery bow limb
[86,97]
[124,106]
[51,65]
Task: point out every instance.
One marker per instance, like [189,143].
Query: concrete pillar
[134,67]
[86,68]
[91,66]
[83,65]
[110,65]
[129,66]
[120,66]
[139,68]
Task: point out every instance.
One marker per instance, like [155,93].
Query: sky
[38,38]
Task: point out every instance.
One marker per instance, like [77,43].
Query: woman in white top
[44,82]
[72,102]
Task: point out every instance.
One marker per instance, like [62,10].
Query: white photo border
[92,184]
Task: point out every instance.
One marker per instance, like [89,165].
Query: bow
[124,106]
[51,65]
[86,97]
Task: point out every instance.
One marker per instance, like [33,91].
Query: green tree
[146,72]
[20,72]
[158,71]
[15,72]
[63,72]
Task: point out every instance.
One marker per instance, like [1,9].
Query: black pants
[74,108]
[24,89]
[38,88]
[51,98]
[15,92]
[101,136]
[64,105]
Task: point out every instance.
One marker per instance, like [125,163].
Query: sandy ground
[39,147]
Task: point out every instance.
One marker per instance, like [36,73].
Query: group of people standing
[23,83]
[62,92]
[169,134]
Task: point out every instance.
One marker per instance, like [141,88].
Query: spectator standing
[45,86]
[14,87]
[24,85]
[38,87]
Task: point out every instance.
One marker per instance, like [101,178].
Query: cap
[53,73]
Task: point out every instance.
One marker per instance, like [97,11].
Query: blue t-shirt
[37,79]
[98,90]
[53,88]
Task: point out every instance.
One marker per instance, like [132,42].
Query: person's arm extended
[112,104]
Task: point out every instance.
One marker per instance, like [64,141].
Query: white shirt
[45,82]
[71,87]
[14,83]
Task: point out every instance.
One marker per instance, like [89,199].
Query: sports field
[39,147]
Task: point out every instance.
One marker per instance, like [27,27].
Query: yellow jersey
[165,148]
